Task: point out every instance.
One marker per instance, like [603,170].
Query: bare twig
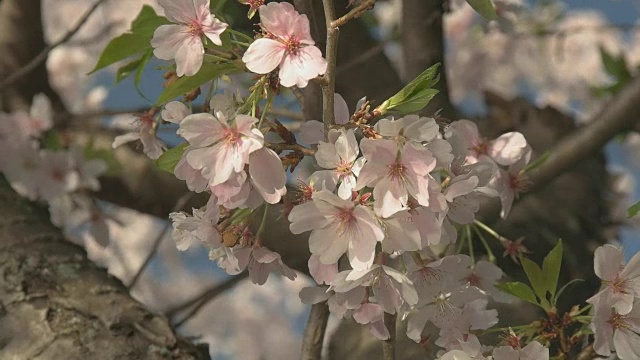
[329,87]
[388,346]
[314,332]
[156,243]
[42,56]
[353,13]
[197,302]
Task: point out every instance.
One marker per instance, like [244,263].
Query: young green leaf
[551,268]
[520,290]
[170,158]
[185,84]
[534,274]
[484,8]
[416,95]
[126,70]
[634,209]
[135,42]
[615,66]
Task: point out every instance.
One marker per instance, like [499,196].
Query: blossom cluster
[616,316]
[60,177]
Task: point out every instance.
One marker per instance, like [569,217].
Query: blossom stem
[240,34]
[483,240]
[354,13]
[388,346]
[262,224]
[486,228]
[329,85]
[265,109]
[470,240]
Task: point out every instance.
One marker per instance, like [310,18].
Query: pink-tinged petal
[179,11]
[324,180]
[305,217]
[417,322]
[379,330]
[322,273]
[222,162]
[418,159]
[201,129]
[347,146]
[460,188]
[311,132]
[341,110]
[175,112]
[326,156]
[244,124]
[41,113]
[325,198]
[420,128]
[362,242]
[189,57]
[508,148]
[278,18]
[607,262]
[152,146]
[381,151]
[263,56]
[212,28]
[632,269]
[368,313]
[386,294]
[268,175]
[345,191]
[228,191]
[403,284]
[195,181]
[126,138]
[306,64]
[370,174]
[301,29]
[313,295]
[337,245]
[441,150]
[390,196]
[401,235]
[627,344]
[167,40]
[389,127]
[320,239]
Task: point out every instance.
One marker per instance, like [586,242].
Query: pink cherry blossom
[511,182]
[338,226]
[322,273]
[401,233]
[622,282]
[341,158]
[288,44]
[174,112]
[411,127]
[201,227]
[193,177]
[616,332]
[395,175]
[38,120]
[182,40]
[220,148]
[312,131]
[533,351]
[267,175]
[152,146]
[260,262]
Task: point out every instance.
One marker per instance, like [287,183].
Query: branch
[182,201]
[388,346]
[314,332]
[354,13]
[329,85]
[201,300]
[42,56]
[619,114]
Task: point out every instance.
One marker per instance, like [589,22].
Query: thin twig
[314,332]
[328,88]
[182,201]
[197,302]
[388,346]
[42,56]
[354,13]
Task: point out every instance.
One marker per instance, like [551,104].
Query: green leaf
[634,209]
[185,84]
[170,158]
[615,66]
[537,162]
[534,274]
[137,41]
[484,8]
[551,268]
[520,290]
[416,95]
[126,70]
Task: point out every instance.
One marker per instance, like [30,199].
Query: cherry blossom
[287,44]
[267,175]
[411,127]
[260,262]
[340,157]
[533,351]
[622,282]
[338,226]
[152,146]
[394,174]
[38,120]
[182,40]
[312,131]
[617,332]
[201,227]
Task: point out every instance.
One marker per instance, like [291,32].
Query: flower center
[195,28]
[305,192]
[619,285]
[618,321]
[292,45]
[396,171]
[231,136]
[480,148]
[345,219]
[344,168]
[473,279]
[256,3]
[518,182]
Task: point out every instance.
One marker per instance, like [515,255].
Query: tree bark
[56,304]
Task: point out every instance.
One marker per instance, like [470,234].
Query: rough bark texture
[56,304]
